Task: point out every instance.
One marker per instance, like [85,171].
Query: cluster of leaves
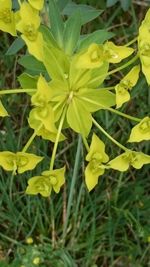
[69,88]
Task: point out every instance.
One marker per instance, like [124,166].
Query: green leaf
[30,63]
[95,99]
[98,76]
[72,32]
[112,2]
[56,22]
[27,81]
[62,3]
[48,36]
[79,119]
[125,4]
[15,46]
[98,37]
[88,13]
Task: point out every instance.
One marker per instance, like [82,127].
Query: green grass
[108,227]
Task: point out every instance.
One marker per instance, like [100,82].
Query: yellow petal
[43,94]
[57,178]
[7,160]
[139,159]
[35,47]
[114,53]
[92,175]
[39,184]
[120,163]
[97,150]
[132,77]
[3,111]
[26,161]
[37,4]
[7,20]
[92,58]
[141,131]
[122,95]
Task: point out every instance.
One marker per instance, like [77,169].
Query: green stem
[74,177]
[85,143]
[57,139]
[132,60]
[16,91]
[31,139]
[123,114]
[108,136]
[132,41]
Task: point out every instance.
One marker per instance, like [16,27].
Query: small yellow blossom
[29,240]
[96,158]
[46,182]
[126,84]
[7,18]
[36,261]
[141,131]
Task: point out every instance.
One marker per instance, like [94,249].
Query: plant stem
[85,143]
[31,139]
[132,60]
[16,91]
[57,139]
[74,177]
[110,137]
[132,41]
[123,114]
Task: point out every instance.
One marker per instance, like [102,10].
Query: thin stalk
[85,143]
[57,139]
[27,145]
[108,136]
[123,114]
[132,41]
[73,181]
[16,91]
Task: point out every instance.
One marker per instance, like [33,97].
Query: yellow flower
[37,4]
[144,46]
[125,85]
[92,58]
[19,161]
[46,182]
[3,111]
[28,22]
[36,261]
[114,53]
[96,55]
[141,131]
[7,18]
[29,240]
[96,158]
[133,158]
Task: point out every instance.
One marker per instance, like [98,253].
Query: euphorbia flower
[96,158]
[129,158]
[141,131]
[44,184]
[144,46]
[7,19]
[126,84]
[96,55]
[37,4]
[42,113]
[3,111]
[28,25]
[19,161]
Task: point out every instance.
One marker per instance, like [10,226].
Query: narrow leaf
[15,46]
[72,32]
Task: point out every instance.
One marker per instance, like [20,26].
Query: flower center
[145,126]
[30,32]
[53,180]
[5,15]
